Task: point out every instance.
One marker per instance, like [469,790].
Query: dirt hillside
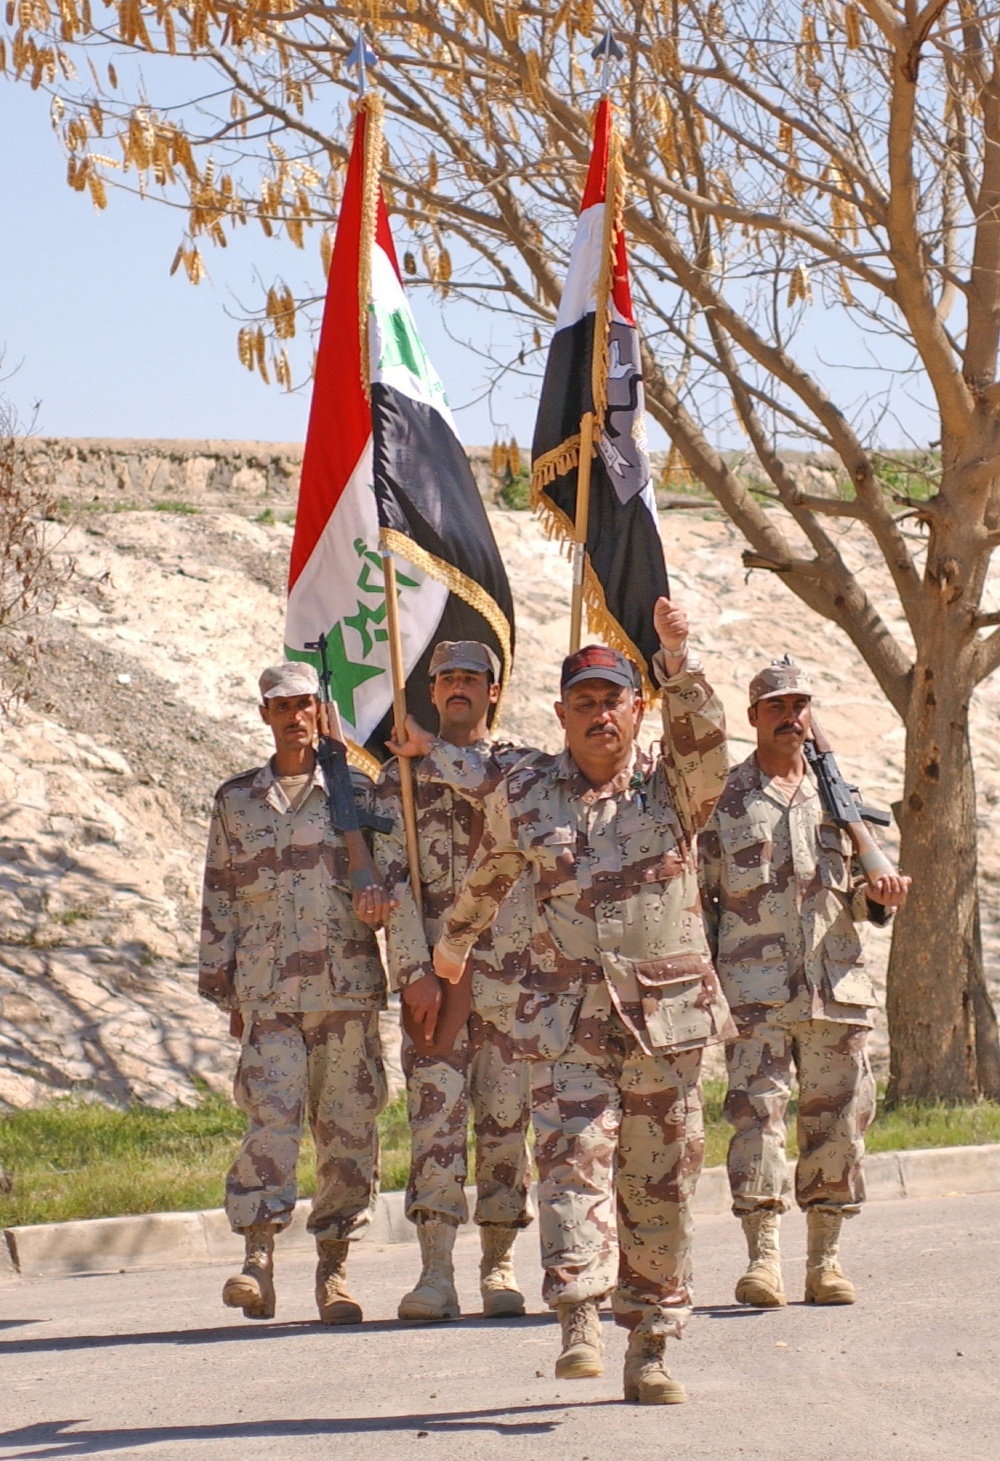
[147,701]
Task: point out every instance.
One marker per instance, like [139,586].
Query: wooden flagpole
[399,718]
[582,521]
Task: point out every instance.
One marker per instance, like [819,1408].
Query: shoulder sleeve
[490,877]
[693,749]
[217,947]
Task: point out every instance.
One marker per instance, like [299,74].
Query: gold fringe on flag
[391,540]
[363,760]
[373,108]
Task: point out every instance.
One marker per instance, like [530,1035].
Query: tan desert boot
[334,1300]
[761,1285]
[252,1290]
[582,1344]
[434,1296]
[825,1281]
[647,1379]
[502,1299]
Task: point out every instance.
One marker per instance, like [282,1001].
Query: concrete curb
[157,1240]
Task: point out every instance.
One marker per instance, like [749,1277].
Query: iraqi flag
[594,365]
[384,471]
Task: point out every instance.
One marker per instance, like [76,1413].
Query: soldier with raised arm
[453,1056]
[287,947]
[619,998]
[781,899]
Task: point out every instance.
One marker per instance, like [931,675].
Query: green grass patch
[171,504]
[76,1159]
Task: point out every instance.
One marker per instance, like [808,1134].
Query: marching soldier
[620,996]
[781,900]
[284,951]
[452,1056]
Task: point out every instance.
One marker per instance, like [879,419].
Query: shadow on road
[237,1333]
[54,1438]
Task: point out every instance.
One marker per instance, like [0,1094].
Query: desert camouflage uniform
[616,1005]
[781,905]
[281,944]
[481,1067]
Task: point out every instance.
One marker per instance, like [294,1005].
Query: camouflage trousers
[625,1136]
[482,1072]
[328,1065]
[836,1105]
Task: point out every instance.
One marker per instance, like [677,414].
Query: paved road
[151,1366]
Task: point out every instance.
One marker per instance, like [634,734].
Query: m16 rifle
[345,815]
[842,805]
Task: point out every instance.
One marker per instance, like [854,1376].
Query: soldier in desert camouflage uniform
[451,1055]
[620,996]
[781,901]
[283,949]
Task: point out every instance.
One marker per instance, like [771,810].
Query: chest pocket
[833,856]
[556,864]
[747,850]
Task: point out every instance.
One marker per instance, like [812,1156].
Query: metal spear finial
[361,57]
[607,50]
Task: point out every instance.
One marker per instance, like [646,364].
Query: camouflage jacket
[781,900]
[278,929]
[449,830]
[617,919]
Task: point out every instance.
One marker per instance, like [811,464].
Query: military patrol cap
[294,677]
[782,677]
[597,662]
[464,654]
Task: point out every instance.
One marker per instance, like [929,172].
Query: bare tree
[784,159]
[33,566]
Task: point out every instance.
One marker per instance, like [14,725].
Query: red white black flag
[384,471]
[594,365]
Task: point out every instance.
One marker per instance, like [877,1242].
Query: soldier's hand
[422,999]
[236,1024]
[373,904]
[671,625]
[890,889]
[449,970]
[417,743]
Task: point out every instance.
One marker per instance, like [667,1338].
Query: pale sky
[107,344]
[101,340]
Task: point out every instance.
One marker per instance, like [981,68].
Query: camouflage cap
[294,677]
[597,662]
[782,677]
[464,654]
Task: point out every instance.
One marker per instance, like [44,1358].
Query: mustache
[603,730]
[789,726]
[458,700]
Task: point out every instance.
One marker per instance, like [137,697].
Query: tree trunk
[942,1029]
[987,1033]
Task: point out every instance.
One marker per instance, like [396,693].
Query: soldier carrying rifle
[291,897]
[787,868]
